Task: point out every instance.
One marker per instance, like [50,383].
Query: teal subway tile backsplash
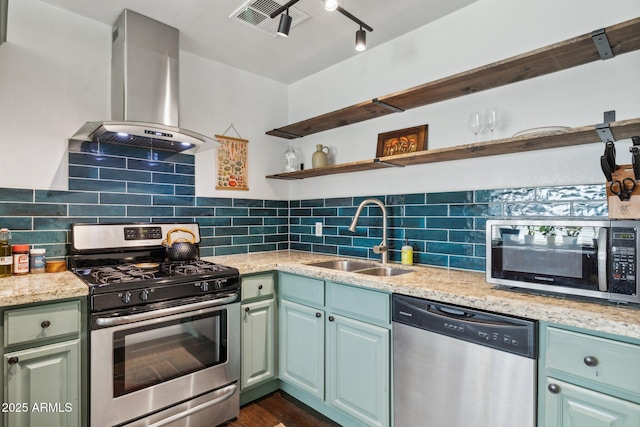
[114,183]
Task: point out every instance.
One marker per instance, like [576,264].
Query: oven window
[153,354]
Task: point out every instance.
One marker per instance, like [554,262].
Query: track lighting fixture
[330,5]
[285,21]
[285,24]
[361,40]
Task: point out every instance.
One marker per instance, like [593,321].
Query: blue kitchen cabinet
[335,349]
[43,367]
[587,379]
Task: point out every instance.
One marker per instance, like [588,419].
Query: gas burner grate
[121,274]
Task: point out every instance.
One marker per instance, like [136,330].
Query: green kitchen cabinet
[573,406]
[258,343]
[302,347]
[358,369]
[335,349]
[45,382]
[258,331]
[587,379]
[43,349]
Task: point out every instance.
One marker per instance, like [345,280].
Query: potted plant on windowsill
[548,231]
[531,234]
[571,235]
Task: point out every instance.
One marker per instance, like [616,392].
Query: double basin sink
[361,267]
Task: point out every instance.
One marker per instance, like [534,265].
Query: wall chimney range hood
[144,89]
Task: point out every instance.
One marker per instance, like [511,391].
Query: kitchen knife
[604,163]
[636,140]
[635,160]
[610,154]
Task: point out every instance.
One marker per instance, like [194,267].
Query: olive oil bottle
[6,261]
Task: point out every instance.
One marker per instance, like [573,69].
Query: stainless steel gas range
[164,344]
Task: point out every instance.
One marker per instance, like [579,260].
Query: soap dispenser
[407,253]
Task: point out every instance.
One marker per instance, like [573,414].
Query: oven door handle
[228,392]
[121,320]
[602,260]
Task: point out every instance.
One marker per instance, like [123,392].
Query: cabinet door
[47,381]
[574,406]
[258,342]
[358,369]
[302,347]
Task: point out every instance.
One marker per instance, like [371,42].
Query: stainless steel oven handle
[228,392]
[602,259]
[121,320]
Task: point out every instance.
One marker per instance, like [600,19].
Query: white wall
[484,32]
[55,76]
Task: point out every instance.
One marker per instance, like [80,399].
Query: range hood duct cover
[144,89]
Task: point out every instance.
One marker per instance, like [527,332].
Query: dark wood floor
[279,407]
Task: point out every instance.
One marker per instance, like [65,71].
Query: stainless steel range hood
[144,89]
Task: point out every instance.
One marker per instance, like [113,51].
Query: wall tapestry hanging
[232,162]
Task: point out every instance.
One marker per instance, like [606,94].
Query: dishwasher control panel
[511,334]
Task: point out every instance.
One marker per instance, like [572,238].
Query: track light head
[330,5]
[285,24]
[361,40]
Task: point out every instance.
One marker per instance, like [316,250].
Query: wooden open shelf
[576,136]
[623,38]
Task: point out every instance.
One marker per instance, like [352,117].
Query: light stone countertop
[464,288]
[32,288]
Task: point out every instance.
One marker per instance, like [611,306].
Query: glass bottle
[6,260]
[290,160]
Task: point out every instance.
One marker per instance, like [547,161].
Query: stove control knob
[144,295]
[218,284]
[204,286]
[126,297]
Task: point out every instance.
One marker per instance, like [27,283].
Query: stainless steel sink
[360,267]
[383,271]
[343,265]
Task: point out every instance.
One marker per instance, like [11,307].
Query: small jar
[20,259]
[37,260]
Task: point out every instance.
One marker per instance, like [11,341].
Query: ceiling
[320,41]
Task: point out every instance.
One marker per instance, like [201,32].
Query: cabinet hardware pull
[45,324]
[13,360]
[246,309]
[554,388]
[331,318]
[318,314]
[590,361]
[259,287]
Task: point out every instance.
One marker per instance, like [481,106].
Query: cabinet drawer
[361,303]
[41,322]
[615,364]
[301,289]
[262,285]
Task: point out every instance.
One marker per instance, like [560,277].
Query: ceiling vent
[255,13]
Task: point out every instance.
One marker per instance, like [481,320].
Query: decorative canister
[319,158]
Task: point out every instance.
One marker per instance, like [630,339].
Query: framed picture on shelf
[402,141]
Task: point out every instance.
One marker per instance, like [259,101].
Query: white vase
[570,240]
[551,240]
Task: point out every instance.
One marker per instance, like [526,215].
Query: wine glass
[475,124]
[492,120]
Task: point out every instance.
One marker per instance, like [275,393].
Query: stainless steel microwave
[586,258]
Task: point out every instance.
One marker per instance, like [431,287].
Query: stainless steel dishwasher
[457,367]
